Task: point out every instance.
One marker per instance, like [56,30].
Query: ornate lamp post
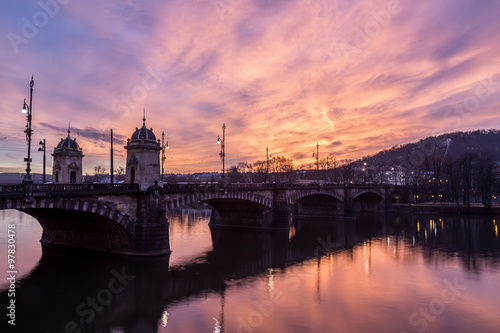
[268,158]
[223,150]
[42,148]
[28,110]
[316,154]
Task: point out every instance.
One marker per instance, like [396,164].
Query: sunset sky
[354,76]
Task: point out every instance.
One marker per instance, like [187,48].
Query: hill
[452,146]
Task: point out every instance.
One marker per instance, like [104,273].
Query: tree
[283,168]
[453,180]
[346,171]
[120,173]
[260,171]
[486,180]
[99,173]
[233,174]
[466,163]
[432,166]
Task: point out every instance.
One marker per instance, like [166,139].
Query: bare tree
[120,173]
[347,171]
[486,180]
[467,170]
[99,172]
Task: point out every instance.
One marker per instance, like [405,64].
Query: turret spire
[144,118]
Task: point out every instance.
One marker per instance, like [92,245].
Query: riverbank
[447,208]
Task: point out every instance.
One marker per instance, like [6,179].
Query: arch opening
[319,205]
[397,197]
[369,202]
[81,229]
[239,213]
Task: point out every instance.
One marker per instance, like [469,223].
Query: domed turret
[143,156]
[68,143]
[67,162]
[143,133]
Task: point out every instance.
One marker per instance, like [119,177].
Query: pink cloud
[284,74]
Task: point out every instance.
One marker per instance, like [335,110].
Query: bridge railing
[37,188]
[11,188]
[253,186]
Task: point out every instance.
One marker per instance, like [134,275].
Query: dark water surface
[373,274]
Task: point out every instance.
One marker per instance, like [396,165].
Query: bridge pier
[349,208]
[281,214]
[150,234]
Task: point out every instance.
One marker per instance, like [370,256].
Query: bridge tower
[143,157]
[67,161]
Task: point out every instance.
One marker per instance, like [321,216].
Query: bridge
[123,219]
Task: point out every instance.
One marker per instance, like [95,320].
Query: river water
[373,274]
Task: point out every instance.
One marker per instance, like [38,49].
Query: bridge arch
[79,223]
[376,191]
[304,193]
[317,203]
[172,202]
[398,196]
[369,201]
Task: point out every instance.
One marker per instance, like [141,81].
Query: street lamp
[317,156]
[268,158]
[317,161]
[28,110]
[222,150]
[364,172]
[163,157]
[42,148]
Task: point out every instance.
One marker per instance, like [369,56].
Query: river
[400,273]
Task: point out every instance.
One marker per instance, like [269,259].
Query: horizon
[356,78]
[309,167]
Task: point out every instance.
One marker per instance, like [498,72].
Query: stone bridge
[121,218]
[268,206]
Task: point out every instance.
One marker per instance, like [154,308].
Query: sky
[354,76]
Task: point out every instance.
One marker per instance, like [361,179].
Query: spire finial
[144,118]
[69,128]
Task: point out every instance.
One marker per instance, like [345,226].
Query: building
[143,157]
[67,161]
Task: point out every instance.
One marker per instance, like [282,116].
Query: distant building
[67,161]
[143,157]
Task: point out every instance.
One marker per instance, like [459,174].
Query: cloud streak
[281,74]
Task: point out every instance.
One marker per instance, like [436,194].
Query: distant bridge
[120,218]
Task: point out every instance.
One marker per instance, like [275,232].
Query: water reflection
[71,289]
[472,239]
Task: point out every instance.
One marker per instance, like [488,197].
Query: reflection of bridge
[120,218]
[56,294]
